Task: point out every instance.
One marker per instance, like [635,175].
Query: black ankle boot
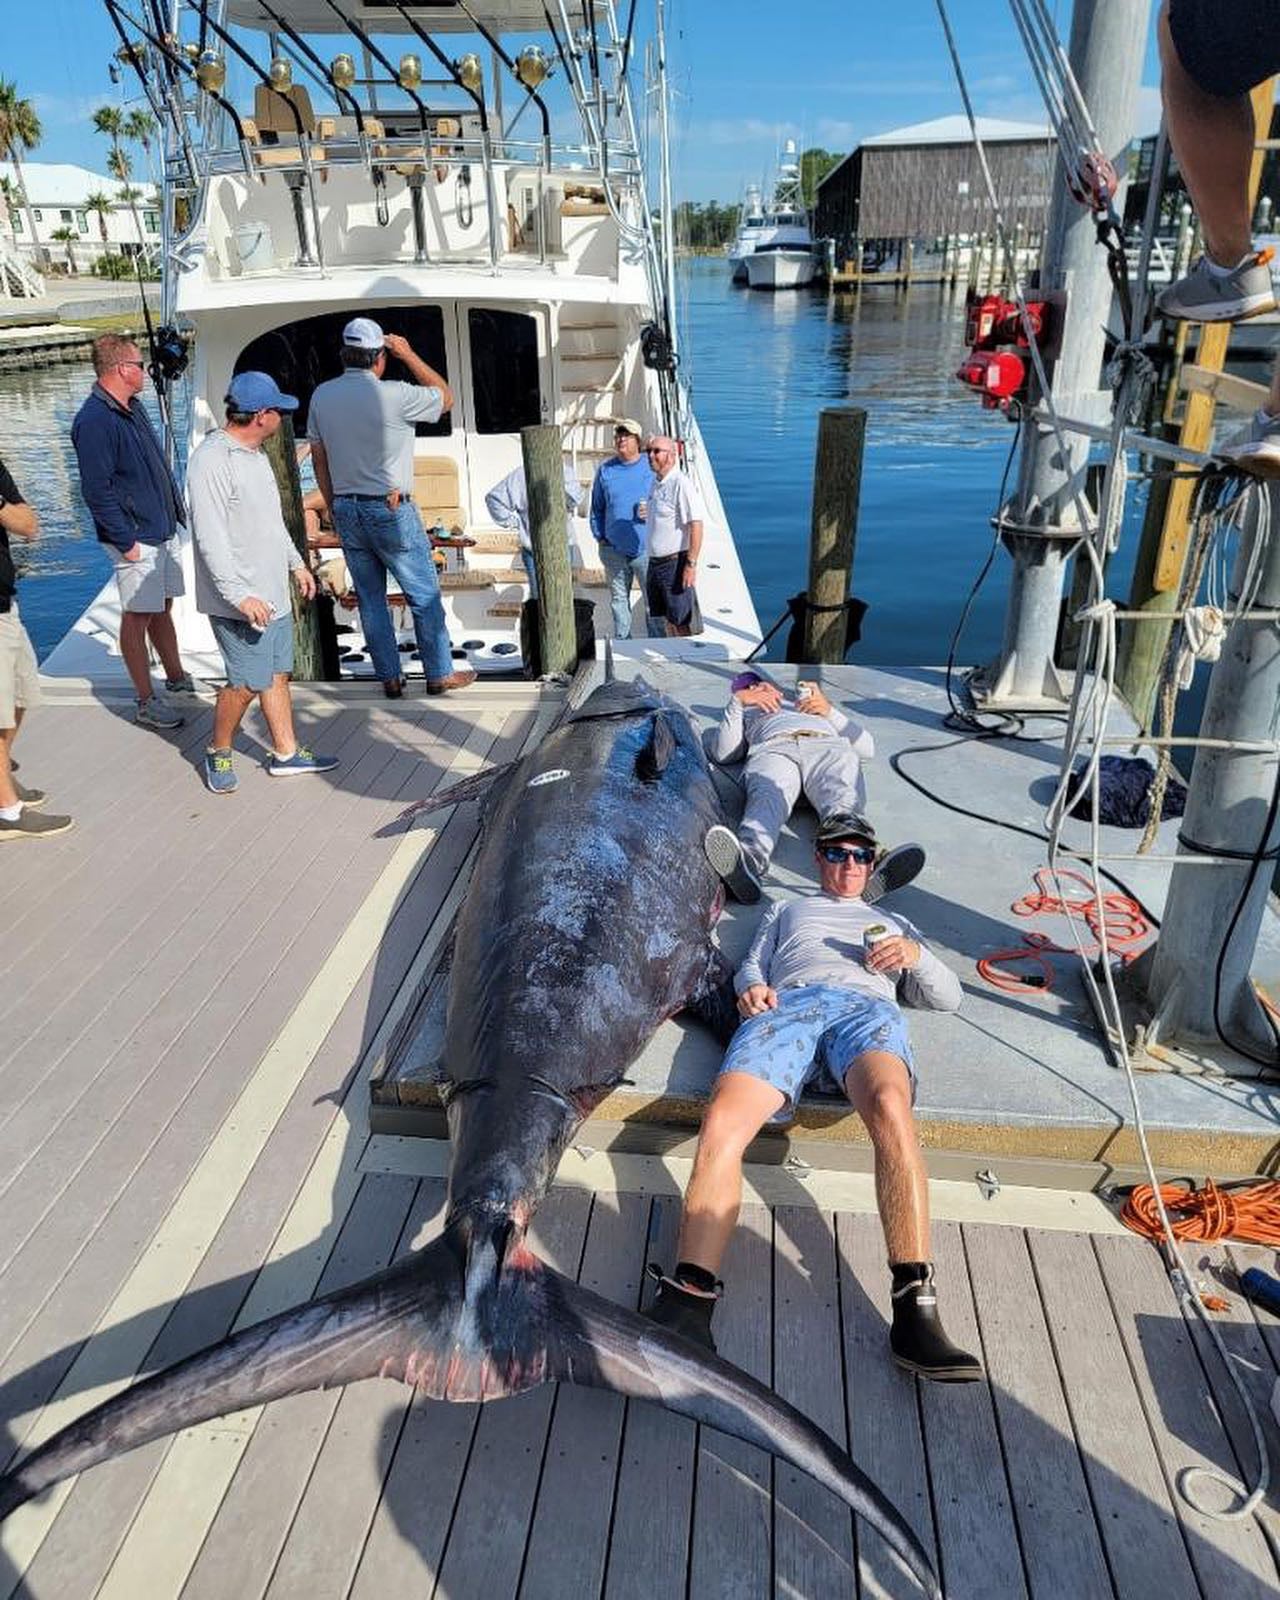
[917,1337]
[684,1308]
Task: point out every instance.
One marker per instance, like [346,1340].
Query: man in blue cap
[243,557]
[361,428]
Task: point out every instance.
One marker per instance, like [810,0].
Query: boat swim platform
[1020,1082]
[196,990]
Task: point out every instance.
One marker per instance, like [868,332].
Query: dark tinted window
[301,355]
[504,370]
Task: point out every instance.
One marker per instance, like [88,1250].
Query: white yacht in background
[783,257]
[750,225]
[328,158]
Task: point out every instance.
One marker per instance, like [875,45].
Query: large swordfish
[587,923]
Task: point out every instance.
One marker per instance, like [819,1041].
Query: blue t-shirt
[618,486]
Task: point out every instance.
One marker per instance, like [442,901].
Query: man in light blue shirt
[508,504]
[361,433]
[618,499]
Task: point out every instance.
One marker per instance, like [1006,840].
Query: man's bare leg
[1212,137]
[277,708]
[164,636]
[228,714]
[879,1089]
[133,647]
[740,1106]
[8,792]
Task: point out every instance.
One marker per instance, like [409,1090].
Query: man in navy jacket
[136,510]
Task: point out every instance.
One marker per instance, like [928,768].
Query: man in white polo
[361,433]
[675,515]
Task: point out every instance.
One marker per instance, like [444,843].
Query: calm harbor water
[762,367]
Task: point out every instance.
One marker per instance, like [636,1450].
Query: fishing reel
[169,355]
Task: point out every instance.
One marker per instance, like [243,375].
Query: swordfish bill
[587,923]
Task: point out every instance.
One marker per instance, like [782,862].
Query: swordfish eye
[552,775]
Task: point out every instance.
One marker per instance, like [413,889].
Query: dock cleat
[917,1338]
[894,870]
[724,851]
[683,1308]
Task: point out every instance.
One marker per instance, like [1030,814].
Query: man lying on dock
[801,746]
[818,992]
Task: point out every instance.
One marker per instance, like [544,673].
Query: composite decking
[194,993]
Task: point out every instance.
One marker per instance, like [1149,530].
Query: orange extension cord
[1249,1213]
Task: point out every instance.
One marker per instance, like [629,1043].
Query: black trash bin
[584,626]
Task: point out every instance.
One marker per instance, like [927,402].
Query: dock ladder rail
[1090,179]
[18,280]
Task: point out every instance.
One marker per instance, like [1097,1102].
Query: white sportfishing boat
[328,158]
[750,226]
[783,255]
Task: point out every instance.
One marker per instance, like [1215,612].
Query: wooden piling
[543,450]
[837,482]
[281,452]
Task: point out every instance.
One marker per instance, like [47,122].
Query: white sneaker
[1255,449]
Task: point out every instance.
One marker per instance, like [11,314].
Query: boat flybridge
[782,256]
[469,174]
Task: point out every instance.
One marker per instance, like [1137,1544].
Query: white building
[58,192]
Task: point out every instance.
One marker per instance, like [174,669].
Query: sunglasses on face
[837,854]
[138,364]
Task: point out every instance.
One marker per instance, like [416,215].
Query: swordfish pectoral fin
[592,1342]
[660,746]
[473,788]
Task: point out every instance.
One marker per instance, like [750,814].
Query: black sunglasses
[838,854]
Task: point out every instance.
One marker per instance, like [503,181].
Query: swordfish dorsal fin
[660,746]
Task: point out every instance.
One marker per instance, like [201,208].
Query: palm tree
[142,127]
[119,164]
[102,204]
[20,131]
[67,237]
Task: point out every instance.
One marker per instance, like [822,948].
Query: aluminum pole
[1041,524]
[664,170]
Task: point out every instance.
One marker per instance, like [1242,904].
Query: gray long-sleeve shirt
[241,544]
[819,940]
[745,728]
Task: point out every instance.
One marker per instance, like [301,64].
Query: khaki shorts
[156,576]
[19,675]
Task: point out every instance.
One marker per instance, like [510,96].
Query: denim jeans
[527,557]
[620,570]
[375,541]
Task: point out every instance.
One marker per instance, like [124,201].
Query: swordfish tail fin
[595,1343]
[473,1316]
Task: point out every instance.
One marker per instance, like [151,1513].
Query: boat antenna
[664,181]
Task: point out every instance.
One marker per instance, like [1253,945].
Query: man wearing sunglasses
[794,745]
[819,1002]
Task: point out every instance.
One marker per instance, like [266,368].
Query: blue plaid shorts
[816,1032]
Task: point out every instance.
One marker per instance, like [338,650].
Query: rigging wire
[1087,716]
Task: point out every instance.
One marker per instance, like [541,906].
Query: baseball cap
[845,825]
[629,425]
[258,391]
[363,333]
[744,680]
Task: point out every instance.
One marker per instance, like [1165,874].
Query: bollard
[543,450]
[281,452]
[837,481]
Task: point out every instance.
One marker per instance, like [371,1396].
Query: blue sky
[840,70]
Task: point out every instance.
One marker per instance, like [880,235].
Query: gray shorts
[156,576]
[252,655]
[19,675]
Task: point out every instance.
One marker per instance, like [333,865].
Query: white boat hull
[780,269]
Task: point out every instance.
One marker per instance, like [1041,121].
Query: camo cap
[845,825]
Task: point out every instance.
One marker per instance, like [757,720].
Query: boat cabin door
[504,384]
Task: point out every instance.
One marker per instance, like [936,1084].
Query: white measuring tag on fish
[553,775]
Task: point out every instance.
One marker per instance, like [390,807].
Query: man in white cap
[618,496]
[361,433]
